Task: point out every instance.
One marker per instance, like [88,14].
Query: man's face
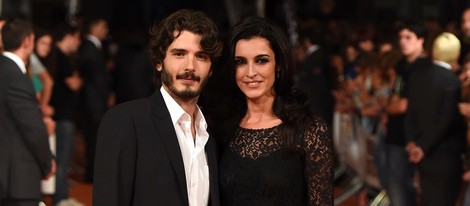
[74,40]
[410,44]
[30,44]
[466,23]
[186,67]
[100,30]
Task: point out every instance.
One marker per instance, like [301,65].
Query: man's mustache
[188,75]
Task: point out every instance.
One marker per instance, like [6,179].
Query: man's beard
[187,93]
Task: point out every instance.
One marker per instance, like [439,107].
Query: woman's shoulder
[315,127]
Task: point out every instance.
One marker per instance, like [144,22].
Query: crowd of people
[242,119]
[411,98]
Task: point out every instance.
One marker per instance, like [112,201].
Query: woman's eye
[262,61]
[239,61]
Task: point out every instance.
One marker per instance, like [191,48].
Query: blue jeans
[380,158]
[400,177]
[65,131]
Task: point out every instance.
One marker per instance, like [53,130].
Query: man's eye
[202,57]
[178,54]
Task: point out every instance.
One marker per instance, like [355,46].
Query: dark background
[143,13]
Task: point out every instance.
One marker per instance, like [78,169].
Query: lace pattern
[315,146]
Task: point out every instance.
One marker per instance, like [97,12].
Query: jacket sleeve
[115,159]
[27,117]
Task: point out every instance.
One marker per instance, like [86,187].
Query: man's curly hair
[164,33]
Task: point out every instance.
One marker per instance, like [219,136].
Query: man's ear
[27,41]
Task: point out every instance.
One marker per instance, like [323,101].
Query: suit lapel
[213,171]
[165,129]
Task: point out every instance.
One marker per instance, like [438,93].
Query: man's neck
[21,55]
[189,106]
[63,48]
[412,58]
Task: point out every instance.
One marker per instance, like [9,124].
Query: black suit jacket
[25,156]
[315,79]
[433,120]
[138,158]
[92,66]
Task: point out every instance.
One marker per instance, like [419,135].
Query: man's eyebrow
[203,52]
[176,50]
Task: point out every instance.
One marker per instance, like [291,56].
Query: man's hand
[464,109]
[52,172]
[415,153]
[466,176]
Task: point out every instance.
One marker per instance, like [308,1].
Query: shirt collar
[443,64]
[94,40]
[312,49]
[17,60]
[176,112]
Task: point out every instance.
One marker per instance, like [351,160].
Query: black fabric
[64,100]
[138,158]
[395,125]
[25,156]
[433,121]
[256,170]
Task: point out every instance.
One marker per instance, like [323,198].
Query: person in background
[464,108]
[25,157]
[445,52]
[65,100]
[42,80]
[400,172]
[316,75]
[274,152]
[96,86]
[435,129]
[157,150]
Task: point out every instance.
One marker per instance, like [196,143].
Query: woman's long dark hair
[227,104]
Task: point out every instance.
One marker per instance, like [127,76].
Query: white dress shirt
[194,156]
[94,40]
[17,60]
[443,64]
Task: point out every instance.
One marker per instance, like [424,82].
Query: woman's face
[255,68]
[43,45]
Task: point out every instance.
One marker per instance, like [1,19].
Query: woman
[274,151]
[42,81]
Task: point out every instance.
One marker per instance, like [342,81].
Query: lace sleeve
[319,163]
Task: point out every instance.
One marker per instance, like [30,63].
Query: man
[25,157]
[65,100]
[434,127]
[96,84]
[399,184]
[315,73]
[157,150]
[446,51]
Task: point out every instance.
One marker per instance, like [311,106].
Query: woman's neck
[260,114]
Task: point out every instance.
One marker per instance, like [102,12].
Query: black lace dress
[256,170]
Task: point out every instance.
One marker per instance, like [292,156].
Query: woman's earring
[277,74]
